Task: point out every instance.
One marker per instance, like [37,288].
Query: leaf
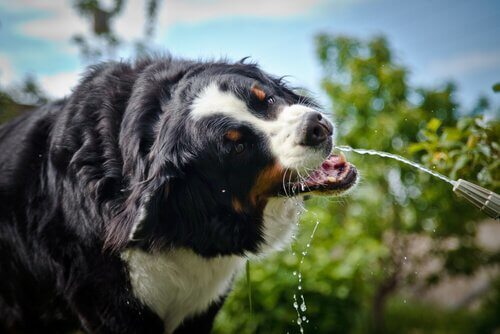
[416,147]
[452,134]
[485,149]
[434,124]
[459,164]
[496,87]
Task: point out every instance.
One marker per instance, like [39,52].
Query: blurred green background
[401,253]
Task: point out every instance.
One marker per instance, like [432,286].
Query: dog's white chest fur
[178,283]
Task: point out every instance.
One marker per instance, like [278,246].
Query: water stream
[395,157]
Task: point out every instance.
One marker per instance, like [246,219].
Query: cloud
[192,11]
[465,63]
[7,72]
[59,22]
[59,84]
[130,24]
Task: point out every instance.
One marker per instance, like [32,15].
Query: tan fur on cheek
[266,183]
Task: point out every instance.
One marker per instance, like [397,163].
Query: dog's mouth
[335,175]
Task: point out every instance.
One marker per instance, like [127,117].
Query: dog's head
[218,159]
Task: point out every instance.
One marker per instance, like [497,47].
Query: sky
[438,41]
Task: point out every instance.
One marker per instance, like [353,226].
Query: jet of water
[396,157]
[484,199]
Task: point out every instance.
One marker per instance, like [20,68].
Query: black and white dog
[130,206]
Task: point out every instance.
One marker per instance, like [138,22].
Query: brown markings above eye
[258,93]
[233,135]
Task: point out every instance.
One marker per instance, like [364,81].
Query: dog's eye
[270,100]
[239,148]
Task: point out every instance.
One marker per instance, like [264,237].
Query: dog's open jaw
[333,176]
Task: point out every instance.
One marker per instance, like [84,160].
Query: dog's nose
[316,129]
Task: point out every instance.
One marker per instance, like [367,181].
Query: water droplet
[405,258]
[299,321]
[295,305]
[300,287]
[404,301]
[223,190]
[303,307]
[304,318]
[294,273]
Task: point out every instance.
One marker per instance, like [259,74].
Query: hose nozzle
[484,199]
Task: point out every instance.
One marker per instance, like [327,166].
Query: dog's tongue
[331,173]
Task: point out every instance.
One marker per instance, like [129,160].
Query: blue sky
[443,40]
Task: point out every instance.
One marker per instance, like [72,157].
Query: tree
[372,101]
[103,41]
[21,98]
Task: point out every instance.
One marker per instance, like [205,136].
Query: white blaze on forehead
[283,132]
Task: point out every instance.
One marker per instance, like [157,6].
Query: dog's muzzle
[316,129]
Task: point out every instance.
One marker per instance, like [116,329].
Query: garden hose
[484,199]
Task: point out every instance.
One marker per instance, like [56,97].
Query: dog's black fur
[75,173]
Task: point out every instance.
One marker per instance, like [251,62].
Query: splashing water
[301,308]
[395,157]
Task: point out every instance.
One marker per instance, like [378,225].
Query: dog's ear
[140,208]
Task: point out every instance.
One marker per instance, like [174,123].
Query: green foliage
[20,98]
[416,317]
[469,148]
[358,256]
[487,320]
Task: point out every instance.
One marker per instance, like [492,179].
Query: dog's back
[28,297]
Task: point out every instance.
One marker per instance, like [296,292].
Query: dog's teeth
[342,157]
[331,179]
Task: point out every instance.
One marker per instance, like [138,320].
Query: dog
[130,205]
